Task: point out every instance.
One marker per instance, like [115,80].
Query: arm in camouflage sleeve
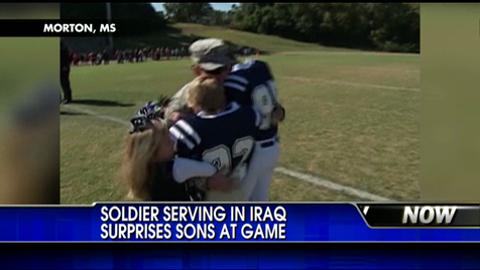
[177,107]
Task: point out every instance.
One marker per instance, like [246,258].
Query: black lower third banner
[74,28]
[420,215]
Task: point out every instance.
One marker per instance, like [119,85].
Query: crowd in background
[127,56]
[137,55]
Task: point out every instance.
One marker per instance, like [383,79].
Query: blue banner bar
[199,222]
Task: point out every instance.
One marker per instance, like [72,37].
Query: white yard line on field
[379,86]
[294,174]
[105,117]
[331,185]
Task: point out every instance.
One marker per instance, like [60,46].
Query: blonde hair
[206,93]
[138,157]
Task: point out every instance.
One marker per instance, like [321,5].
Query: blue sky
[217,6]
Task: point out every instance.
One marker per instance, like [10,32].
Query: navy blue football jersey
[225,140]
[252,84]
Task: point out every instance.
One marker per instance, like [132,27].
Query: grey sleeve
[184,169]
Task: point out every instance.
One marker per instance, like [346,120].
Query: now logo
[428,214]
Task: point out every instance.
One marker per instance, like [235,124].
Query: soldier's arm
[177,107]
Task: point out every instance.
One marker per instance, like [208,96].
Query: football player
[220,133]
[252,84]
[149,170]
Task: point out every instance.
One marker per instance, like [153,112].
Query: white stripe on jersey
[237,78]
[179,136]
[235,86]
[186,128]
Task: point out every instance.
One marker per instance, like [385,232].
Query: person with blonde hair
[211,57]
[222,134]
[206,94]
[149,169]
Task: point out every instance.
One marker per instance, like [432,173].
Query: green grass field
[352,118]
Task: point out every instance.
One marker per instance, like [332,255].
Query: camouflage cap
[211,53]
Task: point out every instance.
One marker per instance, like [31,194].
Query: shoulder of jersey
[249,64]
[251,68]
[185,132]
[242,74]
[261,66]
[260,63]
[237,80]
[243,66]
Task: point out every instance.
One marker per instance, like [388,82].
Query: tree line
[377,26]
[374,26]
[201,13]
